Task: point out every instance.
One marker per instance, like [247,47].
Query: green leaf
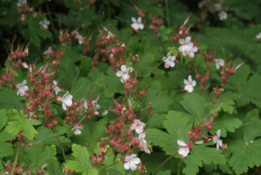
[21,123]
[10,100]
[246,145]
[199,155]
[226,123]
[111,84]
[38,155]
[82,163]
[5,149]
[3,118]
[177,127]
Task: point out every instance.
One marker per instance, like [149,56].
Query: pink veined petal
[133,19]
[127,166]
[217,65]
[181,49]
[173,58]
[55,82]
[130,69]
[172,64]
[181,41]
[77,132]
[191,54]
[139,129]
[188,39]
[135,26]
[133,126]
[217,145]
[183,151]
[181,143]
[133,166]
[142,136]
[218,133]
[215,138]
[119,74]
[166,65]
[186,82]
[190,89]
[194,49]
[139,19]
[24,88]
[164,58]
[67,102]
[194,83]
[141,26]
[136,160]
[123,68]
[189,78]
[64,106]
[23,83]
[132,156]
[127,158]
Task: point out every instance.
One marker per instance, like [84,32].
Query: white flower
[85,105]
[67,100]
[185,148]
[188,49]
[217,140]
[137,126]
[222,15]
[219,63]
[143,143]
[189,84]
[111,55]
[47,52]
[131,162]
[44,24]
[21,3]
[136,25]
[77,129]
[22,88]
[94,104]
[79,37]
[258,36]
[217,6]
[56,88]
[124,73]
[169,61]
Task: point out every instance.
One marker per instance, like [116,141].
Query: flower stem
[167,12]
[16,159]
[55,134]
[165,161]
[109,165]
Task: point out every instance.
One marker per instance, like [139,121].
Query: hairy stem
[165,161]
[55,134]
[16,159]
[109,165]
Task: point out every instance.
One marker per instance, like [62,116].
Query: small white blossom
[67,100]
[79,37]
[56,88]
[184,150]
[219,63]
[143,143]
[258,36]
[218,141]
[77,129]
[222,15]
[131,162]
[169,61]
[137,24]
[189,84]
[218,7]
[22,88]
[137,126]
[124,73]
[47,52]
[21,3]
[44,24]
[95,105]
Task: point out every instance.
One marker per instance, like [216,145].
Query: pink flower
[143,143]
[131,162]
[184,150]
[137,126]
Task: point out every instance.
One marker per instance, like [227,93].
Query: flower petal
[181,143]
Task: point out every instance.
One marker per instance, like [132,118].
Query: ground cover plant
[130,87]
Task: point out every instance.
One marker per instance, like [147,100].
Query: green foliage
[21,123]
[82,161]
